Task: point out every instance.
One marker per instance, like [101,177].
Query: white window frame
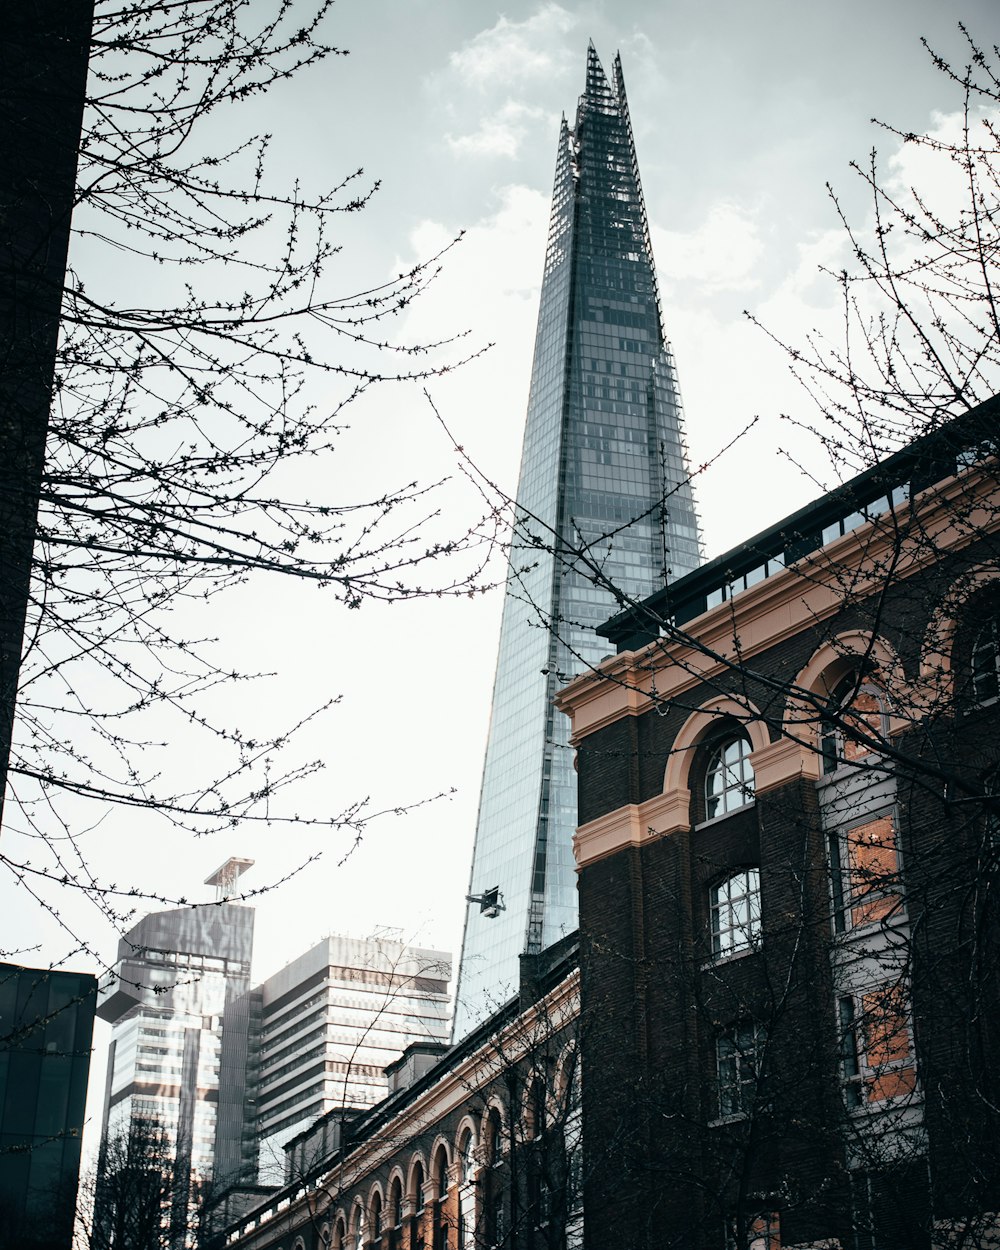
[734,914]
[729,764]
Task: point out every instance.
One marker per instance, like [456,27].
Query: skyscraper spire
[603,468]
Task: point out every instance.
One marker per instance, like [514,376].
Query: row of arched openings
[457,1198]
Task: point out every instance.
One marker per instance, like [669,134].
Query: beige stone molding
[632,825]
[781,762]
[701,723]
[784,604]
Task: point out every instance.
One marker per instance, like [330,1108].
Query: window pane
[729,778]
[734,906]
[874,867]
[985,663]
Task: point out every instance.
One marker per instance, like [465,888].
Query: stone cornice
[781,762]
[784,604]
[632,825]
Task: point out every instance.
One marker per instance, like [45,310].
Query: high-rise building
[46,1024]
[317,1036]
[603,495]
[166,997]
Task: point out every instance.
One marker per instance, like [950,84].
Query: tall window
[417,1220]
[359,1228]
[876,1054]
[729,779]
[888,1055]
[536,1124]
[864,864]
[465,1225]
[986,662]
[850,1052]
[734,905]
[855,721]
[395,1214]
[739,1050]
[441,1223]
[494,1184]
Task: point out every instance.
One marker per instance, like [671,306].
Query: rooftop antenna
[226,875]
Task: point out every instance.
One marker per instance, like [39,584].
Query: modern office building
[46,1025]
[317,1036]
[603,498]
[166,997]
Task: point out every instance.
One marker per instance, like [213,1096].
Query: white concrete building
[317,1036]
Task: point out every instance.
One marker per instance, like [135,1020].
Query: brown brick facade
[830,1079]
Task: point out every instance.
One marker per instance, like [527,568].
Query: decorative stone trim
[632,825]
[781,606]
[781,762]
[699,724]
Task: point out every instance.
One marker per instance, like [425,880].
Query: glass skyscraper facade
[46,1029]
[603,500]
[166,997]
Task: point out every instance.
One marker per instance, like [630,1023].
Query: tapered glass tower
[603,472]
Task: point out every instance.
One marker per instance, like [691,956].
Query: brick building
[476,1144]
[780,1026]
[788,874]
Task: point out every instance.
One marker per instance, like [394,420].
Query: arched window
[734,911]
[493,1138]
[467,1154]
[395,1213]
[536,1108]
[417,1220]
[442,1240]
[375,1216]
[986,662]
[494,1183]
[728,778]
[359,1228]
[856,717]
[465,1223]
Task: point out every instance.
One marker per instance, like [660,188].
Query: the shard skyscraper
[603,468]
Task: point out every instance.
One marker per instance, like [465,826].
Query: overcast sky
[742,112]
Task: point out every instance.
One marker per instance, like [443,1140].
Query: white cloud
[641,57]
[721,255]
[512,52]
[490,283]
[498,135]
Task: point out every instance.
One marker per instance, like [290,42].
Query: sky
[742,114]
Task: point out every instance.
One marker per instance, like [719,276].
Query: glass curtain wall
[603,497]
